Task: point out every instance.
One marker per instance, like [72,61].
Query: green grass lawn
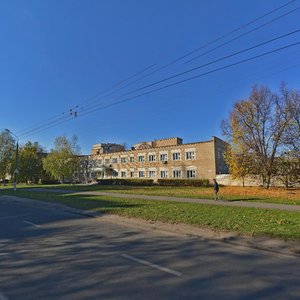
[227,193]
[251,221]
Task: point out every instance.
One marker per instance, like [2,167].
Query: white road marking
[38,226]
[147,263]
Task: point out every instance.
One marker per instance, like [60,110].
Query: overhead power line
[73,112]
[150,92]
[193,77]
[212,62]
[220,38]
[94,108]
[235,30]
[243,34]
[116,86]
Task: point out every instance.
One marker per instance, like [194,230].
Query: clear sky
[59,54]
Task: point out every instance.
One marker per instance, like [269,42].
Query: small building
[163,158]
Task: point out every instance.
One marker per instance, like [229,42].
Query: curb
[276,246]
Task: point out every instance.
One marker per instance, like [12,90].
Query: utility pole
[17,160]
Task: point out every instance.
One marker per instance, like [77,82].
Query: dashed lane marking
[147,263]
[35,225]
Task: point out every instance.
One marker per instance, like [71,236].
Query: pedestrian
[216,189]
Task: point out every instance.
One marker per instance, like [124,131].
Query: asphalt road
[49,253]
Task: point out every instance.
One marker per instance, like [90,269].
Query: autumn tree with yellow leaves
[257,130]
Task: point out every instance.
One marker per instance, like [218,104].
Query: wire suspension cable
[223,36]
[243,34]
[212,62]
[178,82]
[74,110]
[194,77]
[117,86]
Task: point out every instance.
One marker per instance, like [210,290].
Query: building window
[152,157]
[190,155]
[152,174]
[123,173]
[131,159]
[176,156]
[131,174]
[141,174]
[99,162]
[115,173]
[123,160]
[163,174]
[141,158]
[114,160]
[107,161]
[164,157]
[191,174]
[219,154]
[176,173]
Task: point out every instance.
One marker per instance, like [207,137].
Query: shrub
[183,182]
[49,181]
[118,181]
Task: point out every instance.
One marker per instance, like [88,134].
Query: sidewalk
[295,208]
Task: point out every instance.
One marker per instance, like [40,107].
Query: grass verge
[251,221]
[229,193]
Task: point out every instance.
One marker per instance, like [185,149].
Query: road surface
[50,253]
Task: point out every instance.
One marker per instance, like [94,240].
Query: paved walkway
[295,208]
[235,203]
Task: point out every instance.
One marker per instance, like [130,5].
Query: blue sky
[56,55]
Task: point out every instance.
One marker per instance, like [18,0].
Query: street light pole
[17,160]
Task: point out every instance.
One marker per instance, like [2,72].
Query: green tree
[30,163]
[257,125]
[62,161]
[7,154]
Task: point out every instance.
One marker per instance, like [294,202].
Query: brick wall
[171,159]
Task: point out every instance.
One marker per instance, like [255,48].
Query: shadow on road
[72,257]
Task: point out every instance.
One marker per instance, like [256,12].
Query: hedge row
[149,182]
[135,182]
[183,182]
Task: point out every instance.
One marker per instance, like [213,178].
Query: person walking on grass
[216,189]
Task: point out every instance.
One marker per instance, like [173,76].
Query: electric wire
[243,34]
[219,38]
[117,87]
[194,77]
[239,28]
[190,78]
[235,30]
[199,67]
[73,111]
[212,62]
[274,73]
[93,109]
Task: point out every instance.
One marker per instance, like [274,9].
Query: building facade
[164,158]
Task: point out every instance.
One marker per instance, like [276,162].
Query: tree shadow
[244,199]
[81,258]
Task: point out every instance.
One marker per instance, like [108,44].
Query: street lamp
[17,160]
